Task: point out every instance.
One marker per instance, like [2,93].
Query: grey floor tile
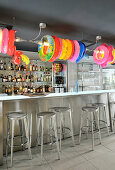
[84,166]
[80,157]
[104,161]
[98,150]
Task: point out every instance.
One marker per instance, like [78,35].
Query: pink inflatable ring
[100,54]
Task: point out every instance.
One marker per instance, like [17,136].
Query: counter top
[20,97]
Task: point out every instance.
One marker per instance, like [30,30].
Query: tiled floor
[79,157]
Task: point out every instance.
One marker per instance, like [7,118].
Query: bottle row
[26,77]
[23,67]
[11,89]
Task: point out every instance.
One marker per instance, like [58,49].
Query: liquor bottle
[9,77]
[29,77]
[34,89]
[30,66]
[31,88]
[12,67]
[39,68]
[5,79]
[15,79]
[28,89]
[16,67]
[19,68]
[5,66]
[9,66]
[35,77]
[33,67]
[36,67]
[6,89]
[41,78]
[1,65]
[38,90]
[1,78]
[43,89]
[26,77]
[22,67]
[22,78]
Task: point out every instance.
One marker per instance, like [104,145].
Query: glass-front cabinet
[91,76]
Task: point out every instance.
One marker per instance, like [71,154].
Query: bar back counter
[34,104]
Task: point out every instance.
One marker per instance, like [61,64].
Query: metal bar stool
[103,107]
[51,116]
[92,116]
[62,111]
[22,118]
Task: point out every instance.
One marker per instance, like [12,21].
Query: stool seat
[99,104]
[89,108]
[16,115]
[45,114]
[59,109]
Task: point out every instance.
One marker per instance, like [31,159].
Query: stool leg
[27,136]
[61,121]
[12,142]
[21,133]
[97,115]
[71,127]
[50,131]
[62,125]
[87,124]
[80,131]
[38,130]
[42,133]
[55,130]
[30,124]
[8,135]
[105,117]
[92,131]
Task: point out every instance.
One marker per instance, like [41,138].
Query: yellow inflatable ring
[64,49]
[69,49]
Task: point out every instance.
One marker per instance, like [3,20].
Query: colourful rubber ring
[57,47]
[76,51]
[82,51]
[113,56]
[46,55]
[72,49]
[64,49]
[100,54]
[61,48]
[69,49]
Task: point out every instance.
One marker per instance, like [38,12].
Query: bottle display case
[89,76]
[59,76]
[23,79]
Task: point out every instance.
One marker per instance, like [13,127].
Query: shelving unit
[31,78]
[89,76]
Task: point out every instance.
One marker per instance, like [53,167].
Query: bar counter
[32,104]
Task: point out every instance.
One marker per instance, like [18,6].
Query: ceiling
[73,19]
